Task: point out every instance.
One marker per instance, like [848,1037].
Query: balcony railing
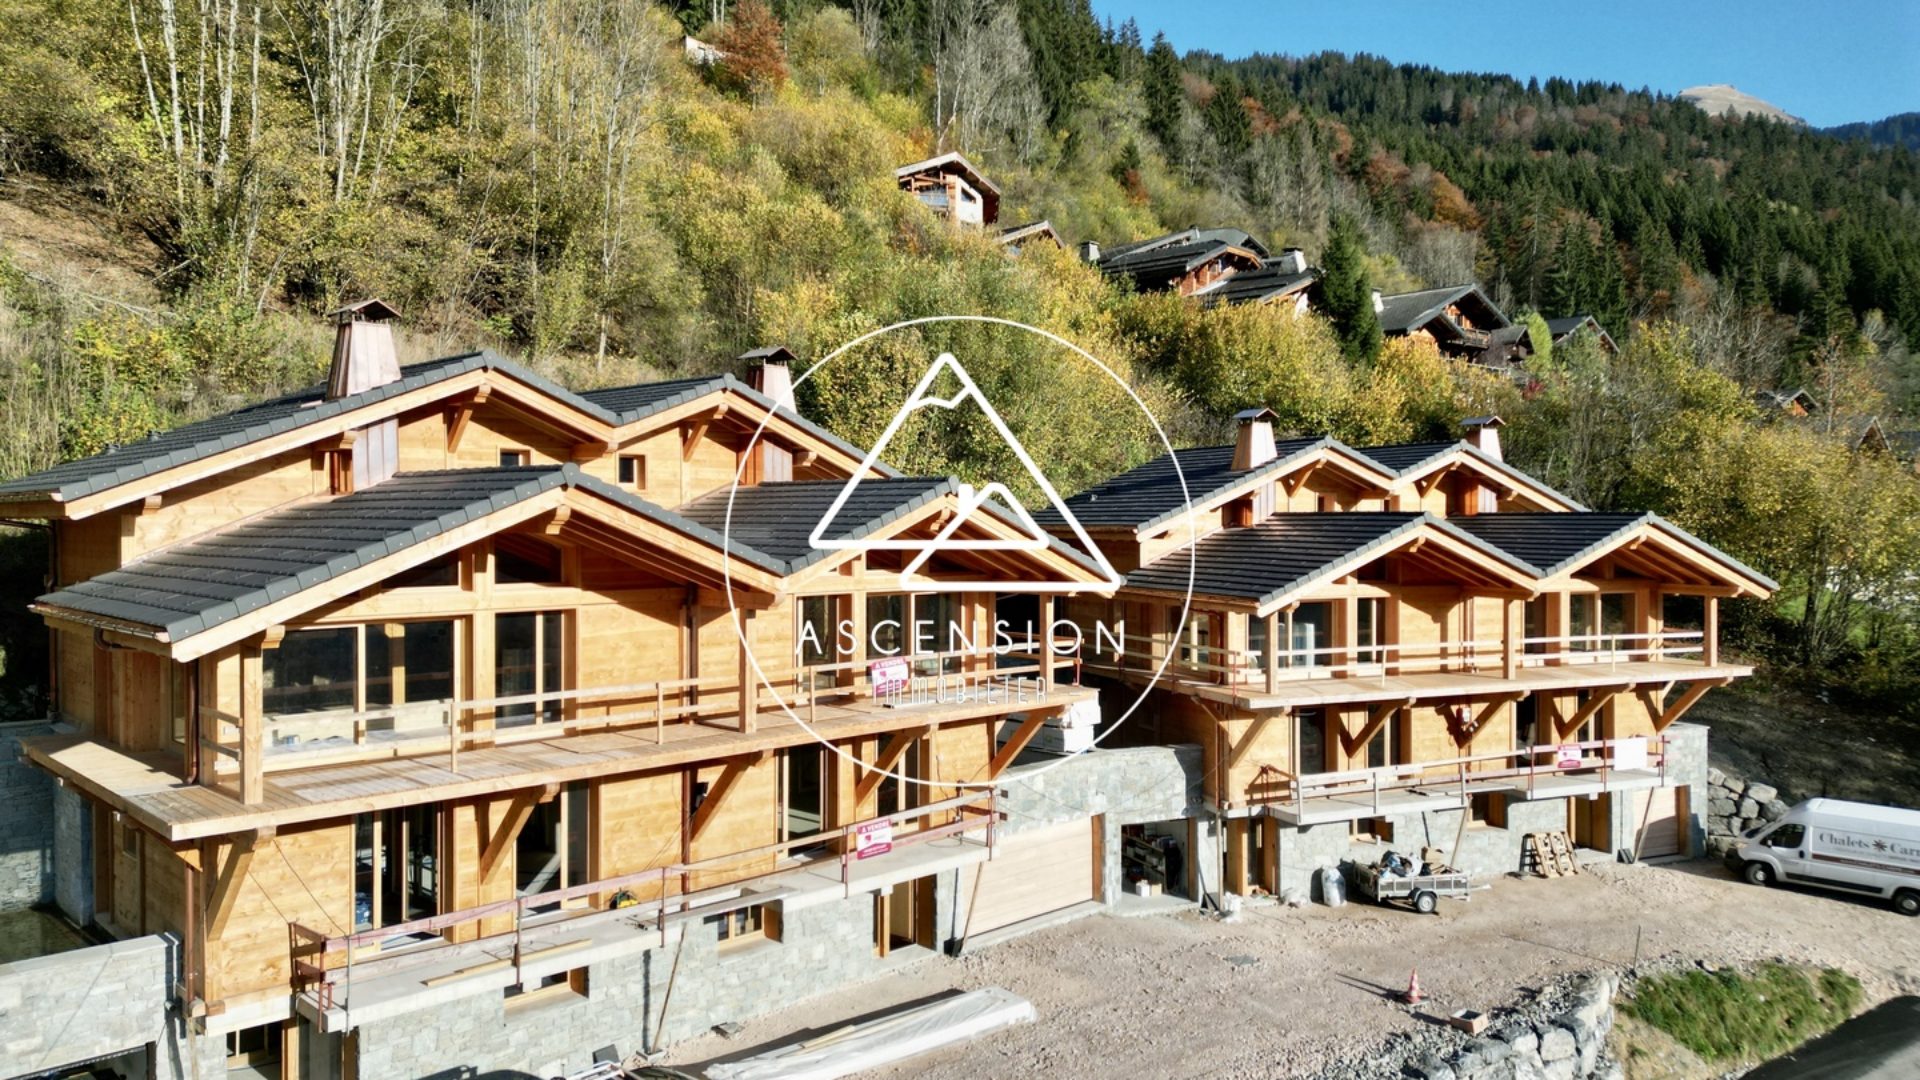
[307,740]
[1530,771]
[324,965]
[1238,668]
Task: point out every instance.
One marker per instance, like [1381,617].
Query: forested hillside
[559,181]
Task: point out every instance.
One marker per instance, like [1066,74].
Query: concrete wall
[76,1006]
[26,822]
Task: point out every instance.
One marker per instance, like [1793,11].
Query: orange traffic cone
[1413,995]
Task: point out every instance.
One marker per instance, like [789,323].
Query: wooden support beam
[805,459]
[588,451]
[1022,735]
[748,676]
[730,777]
[875,771]
[1382,713]
[1493,705]
[1654,698]
[1299,480]
[460,415]
[512,820]
[1585,712]
[1237,748]
[253,779]
[696,430]
[150,504]
[1686,701]
[556,520]
[233,871]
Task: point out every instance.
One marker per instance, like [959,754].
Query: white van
[1833,844]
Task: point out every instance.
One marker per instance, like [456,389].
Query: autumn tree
[754,60]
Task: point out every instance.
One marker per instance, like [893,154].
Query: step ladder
[1548,854]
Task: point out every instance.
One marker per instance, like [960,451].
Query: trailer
[1421,892]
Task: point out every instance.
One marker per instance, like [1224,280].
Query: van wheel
[1758,873]
[1907,902]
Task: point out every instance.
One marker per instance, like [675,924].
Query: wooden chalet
[1285,279]
[1413,645]
[1459,319]
[425,690]
[1565,329]
[1191,262]
[950,186]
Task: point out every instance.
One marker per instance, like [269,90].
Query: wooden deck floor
[148,787]
[1318,693]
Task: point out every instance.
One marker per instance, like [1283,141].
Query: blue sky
[1828,62]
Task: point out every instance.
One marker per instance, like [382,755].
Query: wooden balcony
[369,762]
[1354,674]
[347,980]
[1541,772]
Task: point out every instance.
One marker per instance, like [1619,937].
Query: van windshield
[1786,836]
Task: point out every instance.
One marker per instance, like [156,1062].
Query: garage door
[1031,874]
[1666,825]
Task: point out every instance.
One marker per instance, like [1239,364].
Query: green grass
[1730,1016]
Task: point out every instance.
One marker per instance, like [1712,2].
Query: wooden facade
[548,697]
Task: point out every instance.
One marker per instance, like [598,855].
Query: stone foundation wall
[26,822]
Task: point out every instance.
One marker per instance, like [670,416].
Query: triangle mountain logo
[994,496]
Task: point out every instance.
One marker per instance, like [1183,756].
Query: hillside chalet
[420,700]
[1458,319]
[1415,646]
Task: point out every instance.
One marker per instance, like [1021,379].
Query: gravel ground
[1309,992]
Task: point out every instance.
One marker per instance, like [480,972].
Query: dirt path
[1284,990]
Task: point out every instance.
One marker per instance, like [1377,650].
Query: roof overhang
[1489,470]
[585,512]
[1663,551]
[1290,470]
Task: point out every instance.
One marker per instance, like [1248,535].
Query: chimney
[1484,433]
[1379,302]
[1293,261]
[363,354]
[363,358]
[1253,442]
[1089,252]
[769,371]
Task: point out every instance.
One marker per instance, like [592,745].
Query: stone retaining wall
[1735,805]
[85,1004]
[1568,1045]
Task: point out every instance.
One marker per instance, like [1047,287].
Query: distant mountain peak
[1719,99]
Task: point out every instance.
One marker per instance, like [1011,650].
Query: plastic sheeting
[859,1047]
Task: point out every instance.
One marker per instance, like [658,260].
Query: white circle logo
[892,675]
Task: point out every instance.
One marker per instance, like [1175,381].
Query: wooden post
[1273,652]
[1236,870]
[1559,624]
[252,721]
[1046,643]
[1710,631]
[749,679]
[1514,624]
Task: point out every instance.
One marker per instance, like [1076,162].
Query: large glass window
[1312,635]
[518,560]
[1312,741]
[1616,618]
[311,671]
[806,789]
[886,626]
[409,662]
[1256,642]
[529,657]
[1370,629]
[934,616]
[553,850]
[1383,748]
[1583,621]
[396,866]
[1536,625]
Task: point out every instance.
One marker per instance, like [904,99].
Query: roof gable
[1564,543]
[1287,555]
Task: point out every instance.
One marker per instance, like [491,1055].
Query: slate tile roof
[614,406]
[195,586]
[1265,283]
[1150,494]
[1398,458]
[1288,552]
[1555,542]
[1402,312]
[779,518]
[190,442]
